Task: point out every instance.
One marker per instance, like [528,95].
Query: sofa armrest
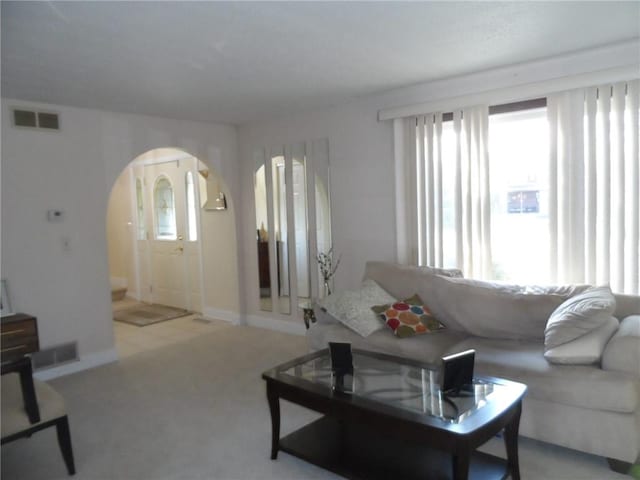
[622,353]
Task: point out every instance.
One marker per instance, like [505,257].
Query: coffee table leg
[274,407]
[511,443]
[461,465]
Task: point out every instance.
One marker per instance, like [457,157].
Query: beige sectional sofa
[593,408]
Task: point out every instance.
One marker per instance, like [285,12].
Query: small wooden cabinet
[19,336]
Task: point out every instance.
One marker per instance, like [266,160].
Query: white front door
[172,248]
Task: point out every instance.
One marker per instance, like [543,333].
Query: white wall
[74,170]
[361,155]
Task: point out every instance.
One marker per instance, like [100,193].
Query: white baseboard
[226,315]
[86,362]
[119,282]
[132,295]
[285,326]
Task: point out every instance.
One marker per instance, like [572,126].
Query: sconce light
[215,196]
[219,203]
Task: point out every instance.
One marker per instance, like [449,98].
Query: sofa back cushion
[626,305]
[480,308]
[579,315]
[495,310]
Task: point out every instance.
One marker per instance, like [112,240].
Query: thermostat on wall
[55,215]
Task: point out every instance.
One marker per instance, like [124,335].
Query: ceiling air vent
[31,119]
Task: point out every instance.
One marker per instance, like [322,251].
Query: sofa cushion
[380,270]
[576,385]
[486,309]
[622,353]
[578,315]
[408,317]
[586,349]
[402,281]
[424,348]
[626,305]
[353,307]
[496,310]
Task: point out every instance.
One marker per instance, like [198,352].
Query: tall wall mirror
[293,223]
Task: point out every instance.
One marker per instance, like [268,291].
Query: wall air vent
[31,119]
[54,356]
[48,120]
[24,118]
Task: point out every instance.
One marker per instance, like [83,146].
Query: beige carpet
[142,315]
[198,410]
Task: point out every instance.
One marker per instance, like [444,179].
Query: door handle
[179,249]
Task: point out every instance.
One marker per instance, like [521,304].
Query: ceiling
[237,62]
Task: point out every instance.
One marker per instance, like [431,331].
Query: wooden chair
[29,405]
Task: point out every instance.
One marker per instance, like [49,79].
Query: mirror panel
[262,239]
[281,233]
[320,187]
[292,224]
[299,186]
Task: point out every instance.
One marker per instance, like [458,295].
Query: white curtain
[594,186]
[471,196]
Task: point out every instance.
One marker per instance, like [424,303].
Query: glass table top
[397,384]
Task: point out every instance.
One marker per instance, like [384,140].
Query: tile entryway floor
[131,339]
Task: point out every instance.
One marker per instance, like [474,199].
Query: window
[142,233]
[541,191]
[192,226]
[519,148]
[165,212]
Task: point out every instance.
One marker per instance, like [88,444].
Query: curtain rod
[517,93]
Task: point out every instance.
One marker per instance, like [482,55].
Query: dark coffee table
[392,420]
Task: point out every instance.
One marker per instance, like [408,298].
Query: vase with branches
[327,268]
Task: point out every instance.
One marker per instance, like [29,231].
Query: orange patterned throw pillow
[409,317]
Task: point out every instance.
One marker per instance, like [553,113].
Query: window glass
[448,208]
[165,212]
[518,151]
[192,227]
[142,233]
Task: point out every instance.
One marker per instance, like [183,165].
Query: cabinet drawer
[19,336]
[18,350]
[18,332]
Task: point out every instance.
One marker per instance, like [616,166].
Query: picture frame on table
[5,302]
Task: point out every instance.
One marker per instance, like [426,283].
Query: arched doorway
[165,209]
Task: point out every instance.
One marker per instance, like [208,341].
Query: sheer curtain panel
[425,187]
[594,209]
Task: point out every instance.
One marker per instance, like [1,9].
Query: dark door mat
[143,315]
